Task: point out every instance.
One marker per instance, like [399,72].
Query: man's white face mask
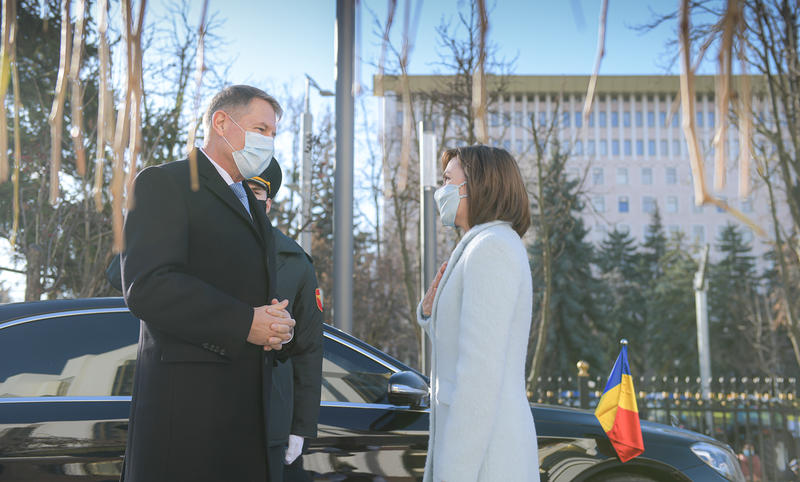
[254,157]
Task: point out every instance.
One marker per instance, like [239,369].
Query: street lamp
[427,220]
[305,178]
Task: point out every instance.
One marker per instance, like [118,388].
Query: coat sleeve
[157,285]
[422,320]
[490,289]
[307,355]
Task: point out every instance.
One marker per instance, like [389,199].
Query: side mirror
[408,388]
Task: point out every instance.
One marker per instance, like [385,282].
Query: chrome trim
[375,406]
[110,398]
[59,314]
[401,389]
[364,352]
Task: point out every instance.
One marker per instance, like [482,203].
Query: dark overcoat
[296,383]
[194,266]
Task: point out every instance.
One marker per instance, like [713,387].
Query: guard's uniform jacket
[296,382]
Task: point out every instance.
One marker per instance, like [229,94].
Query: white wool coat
[481,426]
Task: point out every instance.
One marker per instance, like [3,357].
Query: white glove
[294,449]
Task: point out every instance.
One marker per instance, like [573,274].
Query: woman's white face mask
[254,157]
[447,201]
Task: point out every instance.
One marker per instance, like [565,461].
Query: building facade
[630,153]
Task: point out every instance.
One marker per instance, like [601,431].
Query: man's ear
[218,122]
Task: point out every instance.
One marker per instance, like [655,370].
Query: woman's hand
[427,302]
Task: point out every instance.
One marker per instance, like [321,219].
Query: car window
[69,356]
[350,376]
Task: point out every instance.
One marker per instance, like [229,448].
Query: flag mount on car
[617,410]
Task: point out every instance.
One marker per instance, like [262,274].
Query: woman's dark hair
[495,190]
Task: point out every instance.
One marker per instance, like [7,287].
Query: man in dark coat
[199,270]
[296,382]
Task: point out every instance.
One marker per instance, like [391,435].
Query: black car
[66,374]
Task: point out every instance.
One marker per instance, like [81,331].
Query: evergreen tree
[735,310]
[655,244]
[669,323]
[576,330]
[618,263]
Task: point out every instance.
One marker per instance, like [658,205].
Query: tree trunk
[33,276]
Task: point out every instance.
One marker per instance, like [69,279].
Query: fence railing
[763,412]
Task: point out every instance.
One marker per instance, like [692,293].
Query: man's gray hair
[235,97]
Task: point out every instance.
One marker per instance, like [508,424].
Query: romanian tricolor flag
[617,411]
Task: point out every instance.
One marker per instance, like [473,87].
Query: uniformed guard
[296,382]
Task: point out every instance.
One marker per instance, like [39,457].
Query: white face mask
[447,200]
[256,154]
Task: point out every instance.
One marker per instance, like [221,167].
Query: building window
[597,176]
[747,236]
[711,119]
[671,175]
[399,117]
[572,173]
[601,231]
[664,148]
[724,201]
[591,150]
[699,119]
[623,205]
[698,234]
[648,204]
[602,119]
[520,146]
[578,119]
[578,148]
[615,147]
[628,149]
[647,176]
[639,118]
[494,119]
[542,118]
[599,203]
[624,228]
[651,148]
[518,119]
[640,148]
[566,119]
[676,119]
[651,118]
[615,119]
[506,120]
[672,204]
[591,119]
[507,145]
[747,206]
[626,119]
[603,147]
[662,119]
[676,148]
[697,209]
[622,175]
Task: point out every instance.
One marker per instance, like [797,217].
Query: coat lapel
[211,180]
[454,257]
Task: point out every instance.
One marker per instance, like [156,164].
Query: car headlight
[720,459]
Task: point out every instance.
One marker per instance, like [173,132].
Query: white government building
[631,152]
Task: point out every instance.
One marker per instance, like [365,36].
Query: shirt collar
[222,172]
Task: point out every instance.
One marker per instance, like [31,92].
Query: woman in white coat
[477,313]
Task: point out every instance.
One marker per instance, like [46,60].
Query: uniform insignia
[318,292]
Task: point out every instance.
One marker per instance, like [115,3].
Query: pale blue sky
[278,41]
